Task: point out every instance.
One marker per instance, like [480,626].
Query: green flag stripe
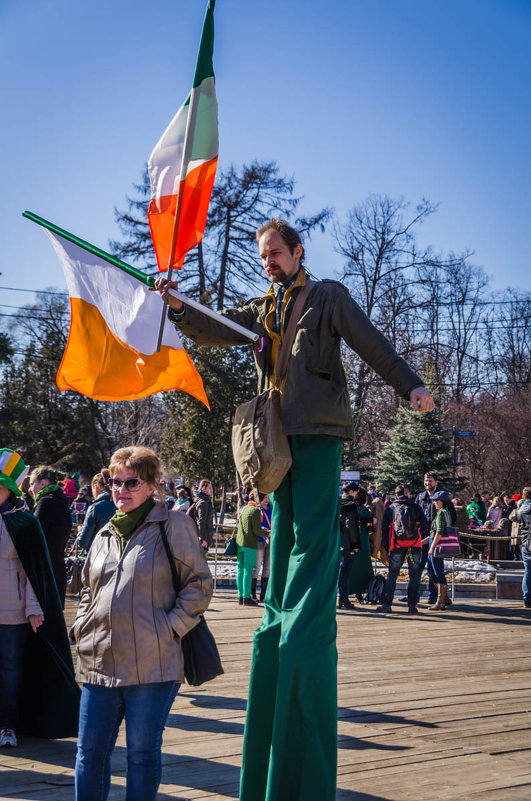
[204,67]
[146,279]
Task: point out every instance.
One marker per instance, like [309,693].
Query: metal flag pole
[214,315]
[187,150]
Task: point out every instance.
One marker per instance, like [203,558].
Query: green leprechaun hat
[12,470]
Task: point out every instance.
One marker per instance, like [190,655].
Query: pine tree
[417,443]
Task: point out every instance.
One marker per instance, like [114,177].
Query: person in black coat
[53,513]
[349,529]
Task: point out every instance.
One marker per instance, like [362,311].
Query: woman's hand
[162,285]
[35,621]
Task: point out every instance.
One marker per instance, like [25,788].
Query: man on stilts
[290,744]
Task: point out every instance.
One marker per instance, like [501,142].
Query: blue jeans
[145,708]
[436,569]
[432,589]
[344,572]
[396,560]
[13,639]
[526,581]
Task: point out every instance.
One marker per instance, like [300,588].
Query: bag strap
[289,336]
[164,538]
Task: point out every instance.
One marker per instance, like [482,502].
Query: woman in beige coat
[129,626]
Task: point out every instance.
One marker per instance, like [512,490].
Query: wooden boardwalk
[431,707]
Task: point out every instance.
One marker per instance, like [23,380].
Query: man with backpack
[403,527]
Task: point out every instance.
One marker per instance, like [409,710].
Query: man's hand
[36,621]
[421,400]
[162,285]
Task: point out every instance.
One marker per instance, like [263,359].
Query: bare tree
[226,266]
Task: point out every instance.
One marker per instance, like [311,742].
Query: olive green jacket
[315,396]
[249,527]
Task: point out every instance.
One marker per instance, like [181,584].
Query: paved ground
[431,708]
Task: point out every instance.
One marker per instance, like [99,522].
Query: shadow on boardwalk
[441,695]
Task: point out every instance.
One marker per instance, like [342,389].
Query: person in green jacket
[476,508]
[290,741]
[247,538]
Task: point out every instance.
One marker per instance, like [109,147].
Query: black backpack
[374,590]
[404,531]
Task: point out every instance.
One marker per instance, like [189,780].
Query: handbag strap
[289,336]
[164,538]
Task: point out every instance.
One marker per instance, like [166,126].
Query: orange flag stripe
[98,364]
[197,188]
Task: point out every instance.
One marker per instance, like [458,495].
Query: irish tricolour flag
[111,352]
[183,164]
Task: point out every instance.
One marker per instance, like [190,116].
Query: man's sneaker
[7,737]
[412,610]
[383,608]
[403,600]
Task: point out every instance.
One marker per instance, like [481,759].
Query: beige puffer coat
[129,622]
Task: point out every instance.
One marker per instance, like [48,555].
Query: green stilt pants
[290,743]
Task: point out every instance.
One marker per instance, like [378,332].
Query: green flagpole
[148,280]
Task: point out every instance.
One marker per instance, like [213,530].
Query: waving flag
[183,164]
[111,349]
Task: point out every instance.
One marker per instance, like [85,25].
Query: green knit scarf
[46,491]
[126,523]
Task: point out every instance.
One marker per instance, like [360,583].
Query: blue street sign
[463,433]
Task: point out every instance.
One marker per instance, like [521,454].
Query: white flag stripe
[131,311]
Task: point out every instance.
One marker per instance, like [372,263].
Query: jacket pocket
[322,372]
[163,624]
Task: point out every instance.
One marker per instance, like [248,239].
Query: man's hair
[361,497]
[352,486]
[204,483]
[526,493]
[431,475]
[44,472]
[400,490]
[290,235]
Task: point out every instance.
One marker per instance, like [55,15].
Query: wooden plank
[431,707]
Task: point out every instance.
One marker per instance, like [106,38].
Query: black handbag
[200,653]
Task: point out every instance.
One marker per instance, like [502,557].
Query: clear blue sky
[405,97]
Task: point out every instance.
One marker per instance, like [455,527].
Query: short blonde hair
[142,461]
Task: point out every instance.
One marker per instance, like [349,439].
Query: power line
[35,291]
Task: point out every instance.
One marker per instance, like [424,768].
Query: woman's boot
[443,598]
[437,606]
[253,589]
